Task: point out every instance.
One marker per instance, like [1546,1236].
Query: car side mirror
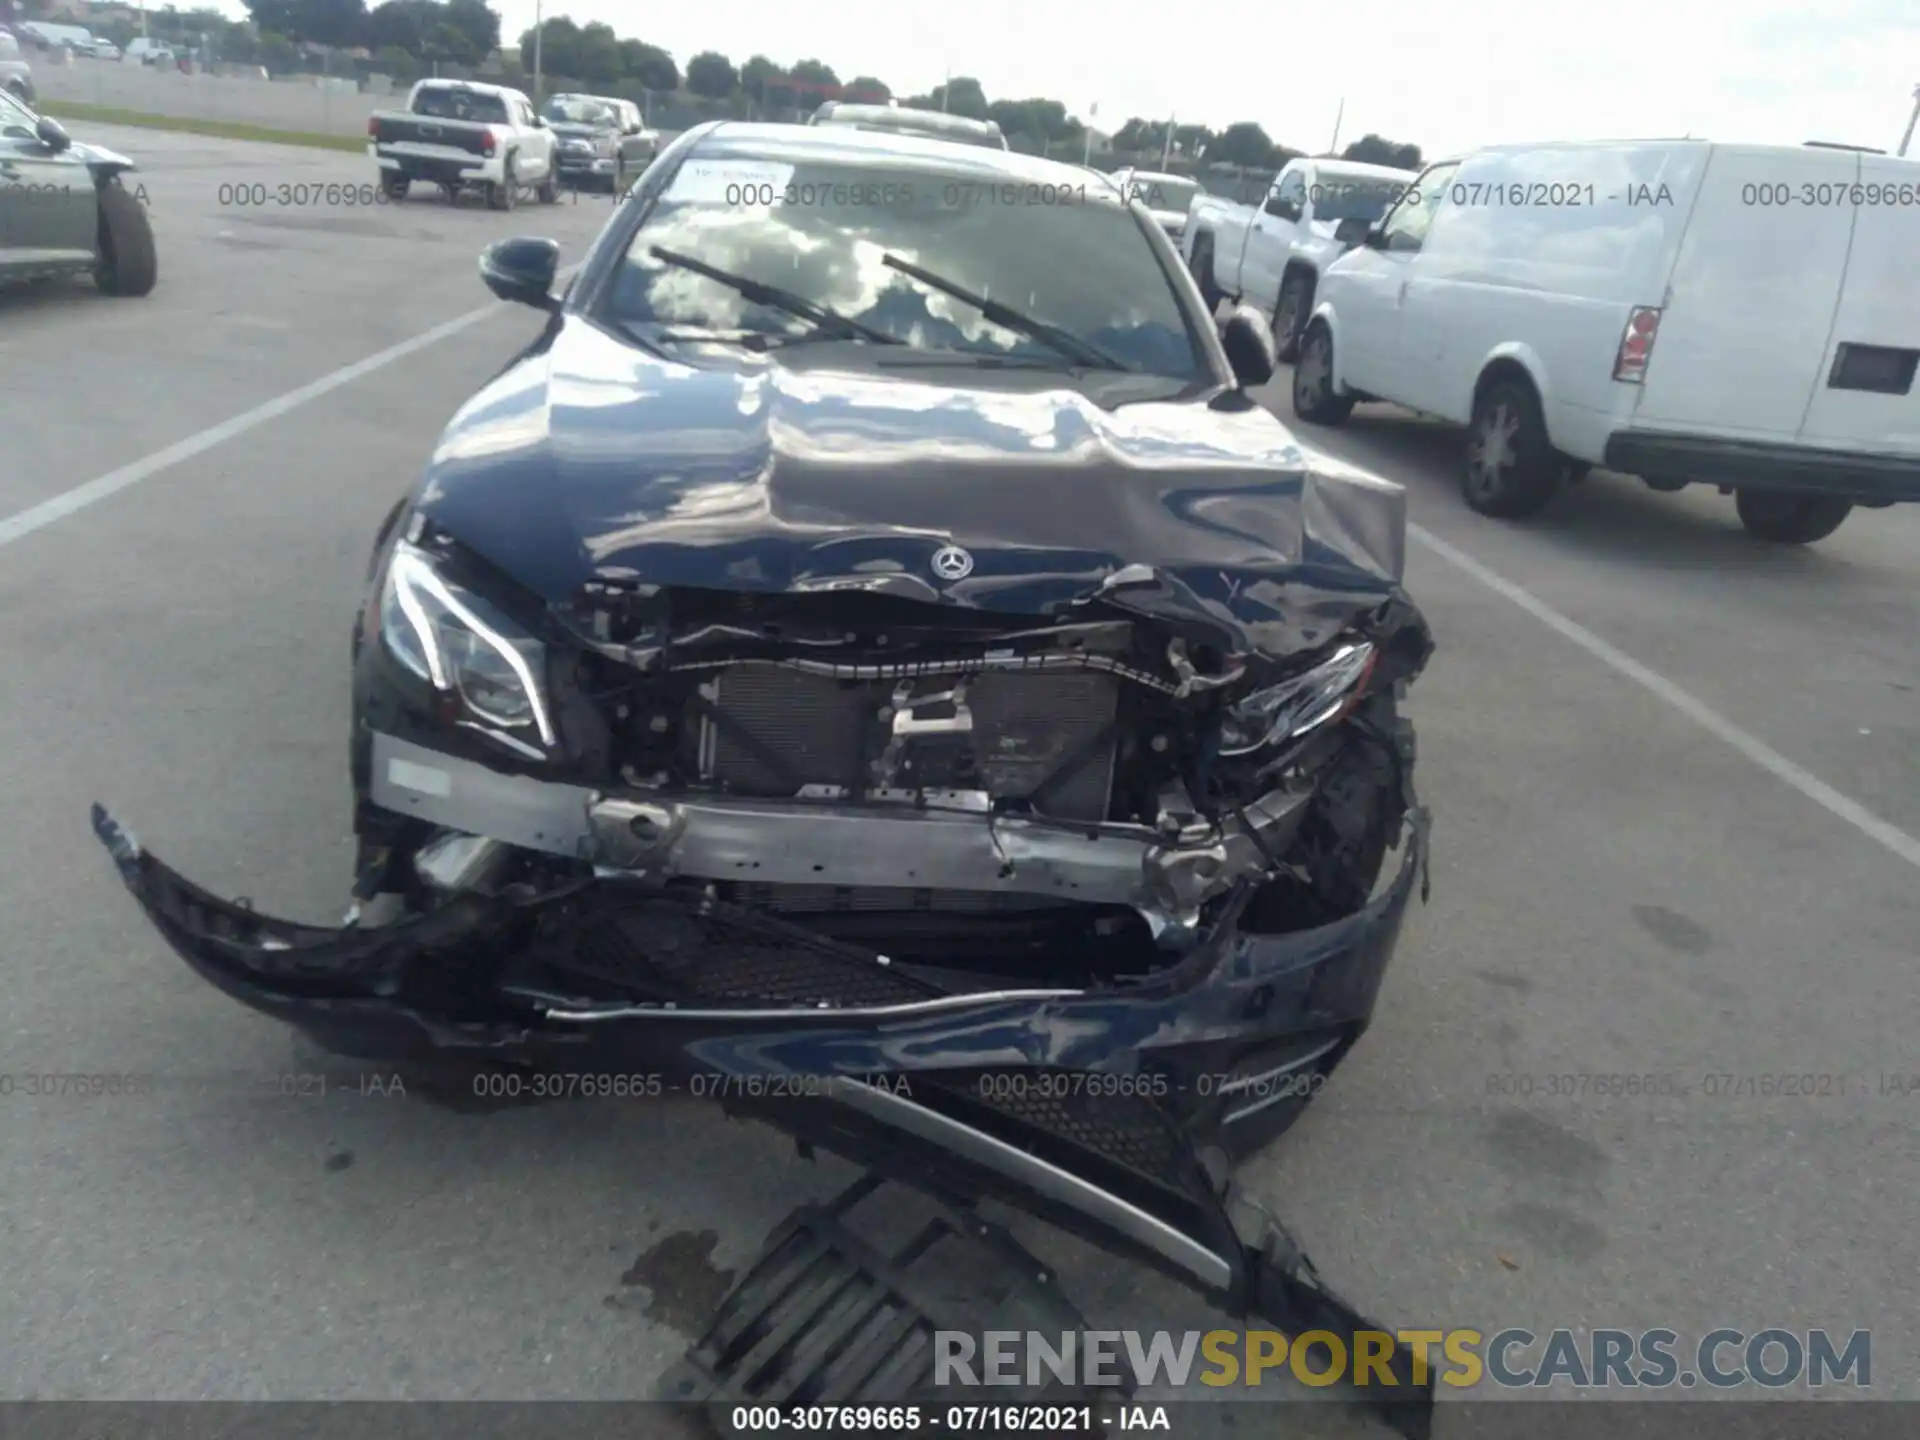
[52,134]
[522,270]
[1352,231]
[539,122]
[1374,239]
[1248,341]
[1283,209]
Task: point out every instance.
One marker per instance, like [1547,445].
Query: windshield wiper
[1083,352]
[772,296]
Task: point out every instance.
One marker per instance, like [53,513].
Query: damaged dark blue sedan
[871,645]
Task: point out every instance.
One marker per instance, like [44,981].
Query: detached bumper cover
[1100,1109]
[1859,475]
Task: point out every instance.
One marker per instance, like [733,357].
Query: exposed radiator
[822,731]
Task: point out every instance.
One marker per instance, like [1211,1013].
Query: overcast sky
[1445,74]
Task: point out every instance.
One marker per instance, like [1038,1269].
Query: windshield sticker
[756,184]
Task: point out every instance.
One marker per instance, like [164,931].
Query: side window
[1289,197]
[1405,228]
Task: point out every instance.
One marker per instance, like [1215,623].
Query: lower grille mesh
[667,948]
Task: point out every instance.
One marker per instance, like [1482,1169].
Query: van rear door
[1743,340]
[1867,396]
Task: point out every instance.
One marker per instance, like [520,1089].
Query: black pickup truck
[458,135]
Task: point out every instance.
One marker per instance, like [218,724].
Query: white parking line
[23,523]
[1705,716]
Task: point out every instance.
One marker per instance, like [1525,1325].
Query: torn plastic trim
[1231,1250]
[303,974]
[1200,1263]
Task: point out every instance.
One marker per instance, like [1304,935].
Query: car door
[1373,290]
[49,212]
[536,147]
[1270,240]
[635,148]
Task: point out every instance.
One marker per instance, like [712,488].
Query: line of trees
[407,37]
[1246,145]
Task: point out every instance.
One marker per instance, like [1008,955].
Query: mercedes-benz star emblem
[950,562]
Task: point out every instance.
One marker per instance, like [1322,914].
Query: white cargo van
[1740,316]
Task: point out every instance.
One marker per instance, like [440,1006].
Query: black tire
[395,187]
[128,264]
[1313,397]
[1291,313]
[1511,468]
[1790,519]
[1202,267]
[549,190]
[506,194]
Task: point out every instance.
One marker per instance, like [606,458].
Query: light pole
[1167,149]
[538,26]
[1907,139]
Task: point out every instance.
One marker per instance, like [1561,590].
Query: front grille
[778,729]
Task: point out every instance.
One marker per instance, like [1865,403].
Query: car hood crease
[593,460]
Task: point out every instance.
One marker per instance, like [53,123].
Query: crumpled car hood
[591,459]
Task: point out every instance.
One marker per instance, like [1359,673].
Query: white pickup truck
[1270,256]
[455,133]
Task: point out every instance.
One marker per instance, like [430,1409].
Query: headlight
[460,644]
[1298,705]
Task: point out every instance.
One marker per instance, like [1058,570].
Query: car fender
[1324,313]
[104,163]
[1517,352]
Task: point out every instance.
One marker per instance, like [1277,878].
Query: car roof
[1357,170]
[845,145]
[1133,174]
[905,116]
[479,87]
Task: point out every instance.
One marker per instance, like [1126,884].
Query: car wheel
[1202,267]
[549,191]
[395,187]
[1313,394]
[1290,315]
[1511,467]
[1790,519]
[128,263]
[506,194]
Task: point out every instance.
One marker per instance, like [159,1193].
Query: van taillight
[486,143]
[1636,344]
[373,127]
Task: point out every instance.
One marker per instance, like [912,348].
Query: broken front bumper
[1114,1110]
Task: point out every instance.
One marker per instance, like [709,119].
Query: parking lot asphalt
[1641,736]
